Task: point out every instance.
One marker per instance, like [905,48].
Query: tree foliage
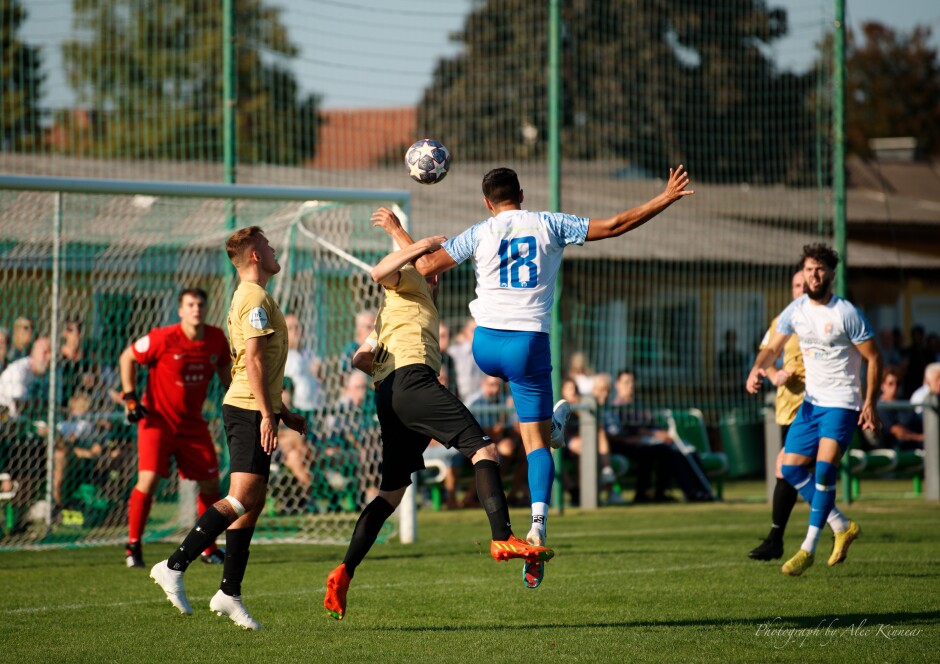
[892,88]
[20,80]
[153,72]
[651,82]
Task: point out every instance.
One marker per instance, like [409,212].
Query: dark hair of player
[822,253]
[240,240]
[501,185]
[193,292]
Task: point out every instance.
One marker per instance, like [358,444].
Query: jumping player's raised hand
[676,188]
[386,220]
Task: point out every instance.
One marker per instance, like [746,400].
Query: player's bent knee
[486,453]
[236,505]
[796,476]
[393,498]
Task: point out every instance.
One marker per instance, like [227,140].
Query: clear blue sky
[381,52]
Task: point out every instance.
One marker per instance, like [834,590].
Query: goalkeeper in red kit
[181,359]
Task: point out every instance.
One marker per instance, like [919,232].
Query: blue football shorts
[815,422]
[524,360]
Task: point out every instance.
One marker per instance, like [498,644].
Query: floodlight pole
[838,139]
[838,177]
[554,204]
[229,104]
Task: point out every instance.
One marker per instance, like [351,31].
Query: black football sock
[493,498]
[236,560]
[783,502]
[210,525]
[370,522]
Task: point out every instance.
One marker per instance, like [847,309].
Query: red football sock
[138,509]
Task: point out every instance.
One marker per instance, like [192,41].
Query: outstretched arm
[387,271]
[601,229]
[433,264]
[388,221]
[429,265]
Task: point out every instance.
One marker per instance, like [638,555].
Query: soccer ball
[427,161]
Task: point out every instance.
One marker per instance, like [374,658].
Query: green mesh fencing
[330,94]
[99,271]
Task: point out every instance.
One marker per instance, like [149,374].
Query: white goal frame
[309,196]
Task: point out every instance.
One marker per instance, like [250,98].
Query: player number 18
[512,260]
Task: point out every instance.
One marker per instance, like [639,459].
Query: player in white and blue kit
[834,338]
[516,255]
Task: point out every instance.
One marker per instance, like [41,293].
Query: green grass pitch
[654,583]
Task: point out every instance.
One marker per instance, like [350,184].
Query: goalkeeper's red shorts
[195,455]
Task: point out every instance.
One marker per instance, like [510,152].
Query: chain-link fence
[330,94]
[84,274]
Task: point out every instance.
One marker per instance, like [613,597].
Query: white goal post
[113,254]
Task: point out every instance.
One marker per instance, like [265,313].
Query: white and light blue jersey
[828,335]
[516,256]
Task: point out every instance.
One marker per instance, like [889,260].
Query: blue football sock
[541,475]
[825,498]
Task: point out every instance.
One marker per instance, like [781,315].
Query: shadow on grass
[846,621]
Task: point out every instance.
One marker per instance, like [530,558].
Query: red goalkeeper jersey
[179,373]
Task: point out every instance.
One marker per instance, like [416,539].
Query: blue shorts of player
[815,422]
[524,359]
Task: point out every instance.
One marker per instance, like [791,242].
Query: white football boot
[232,607]
[172,583]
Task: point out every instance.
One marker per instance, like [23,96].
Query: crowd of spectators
[89,441]
[335,461]
[331,467]
[911,374]
[660,471]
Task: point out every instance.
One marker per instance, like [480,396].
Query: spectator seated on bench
[687,427]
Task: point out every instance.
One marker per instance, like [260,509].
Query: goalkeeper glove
[134,410]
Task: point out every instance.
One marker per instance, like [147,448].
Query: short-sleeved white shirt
[828,335]
[516,256]
[14,384]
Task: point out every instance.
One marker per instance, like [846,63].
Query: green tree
[153,70]
[892,88]
[21,81]
[647,81]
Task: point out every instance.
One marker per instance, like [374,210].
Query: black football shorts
[413,409]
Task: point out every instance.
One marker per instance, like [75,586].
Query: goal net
[94,270]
